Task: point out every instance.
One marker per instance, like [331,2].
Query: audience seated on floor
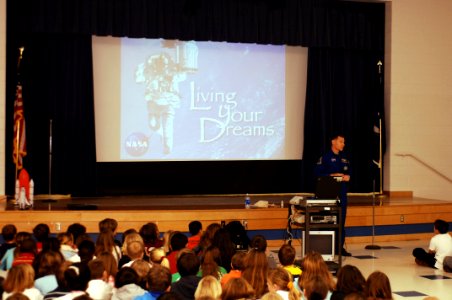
[207,237]
[110,265]
[378,286]
[105,242]
[25,252]
[210,264]
[158,282]
[195,229]
[440,247]
[76,230]
[126,283]
[98,286]
[129,237]
[255,270]
[188,266]
[41,232]
[142,268]
[272,296]
[237,288]
[167,241]
[280,280]
[135,251]
[20,279]
[108,225]
[355,296]
[178,242]
[259,242]
[316,288]
[222,240]
[176,276]
[9,232]
[199,277]
[158,257]
[48,264]
[447,264]
[151,237]
[86,250]
[8,258]
[68,247]
[286,256]
[208,288]
[314,267]
[350,280]
[237,266]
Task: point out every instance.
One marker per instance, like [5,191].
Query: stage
[396,218]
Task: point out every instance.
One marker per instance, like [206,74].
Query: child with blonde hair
[280,280]
[208,288]
[157,256]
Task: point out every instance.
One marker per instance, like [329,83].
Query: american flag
[19,141]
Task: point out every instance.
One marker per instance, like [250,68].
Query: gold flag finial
[21,51]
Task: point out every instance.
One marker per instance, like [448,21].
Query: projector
[324,219]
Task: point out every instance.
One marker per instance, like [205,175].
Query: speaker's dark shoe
[345,253]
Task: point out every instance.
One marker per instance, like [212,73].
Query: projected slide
[169,100]
[200,100]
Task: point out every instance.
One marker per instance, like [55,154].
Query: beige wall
[419,98]
[2,92]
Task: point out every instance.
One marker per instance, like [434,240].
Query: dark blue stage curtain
[58,85]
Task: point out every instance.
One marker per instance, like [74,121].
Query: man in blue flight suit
[333,163]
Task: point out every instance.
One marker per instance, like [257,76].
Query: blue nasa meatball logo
[136,144]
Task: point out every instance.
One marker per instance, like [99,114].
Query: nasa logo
[136,144]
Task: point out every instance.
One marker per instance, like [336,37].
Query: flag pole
[17,149]
[19,60]
[380,164]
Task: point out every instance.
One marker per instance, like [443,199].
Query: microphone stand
[373,246]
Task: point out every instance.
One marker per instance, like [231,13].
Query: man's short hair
[188,264]
[194,227]
[335,135]
[441,225]
[286,255]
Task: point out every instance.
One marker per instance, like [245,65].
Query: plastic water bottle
[247,201]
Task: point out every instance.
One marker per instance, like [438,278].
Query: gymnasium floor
[408,281]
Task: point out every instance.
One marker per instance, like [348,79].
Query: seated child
[98,286]
[188,266]
[286,255]
[440,247]
[68,247]
[237,265]
[159,281]
[195,228]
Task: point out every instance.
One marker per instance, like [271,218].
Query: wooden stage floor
[188,202]
[395,218]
